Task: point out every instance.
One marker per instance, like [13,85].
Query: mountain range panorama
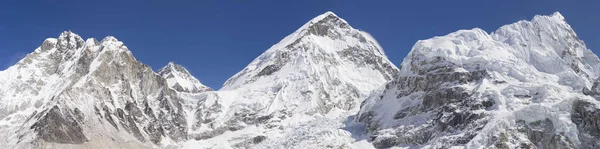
[530,84]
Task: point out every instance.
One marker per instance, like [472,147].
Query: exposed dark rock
[523,96]
[450,107]
[594,91]
[586,116]
[542,133]
[108,116]
[367,57]
[155,132]
[78,115]
[60,127]
[210,134]
[323,27]
[134,129]
[258,139]
[385,142]
[269,70]
[499,81]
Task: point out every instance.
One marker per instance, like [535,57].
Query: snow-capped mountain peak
[324,35]
[81,94]
[181,80]
[326,67]
[522,86]
[324,24]
[69,40]
[558,15]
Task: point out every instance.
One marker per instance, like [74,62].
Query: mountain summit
[87,94]
[325,64]
[181,80]
[326,67]
[530,84]
[522,86]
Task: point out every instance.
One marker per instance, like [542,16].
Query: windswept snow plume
[522,86]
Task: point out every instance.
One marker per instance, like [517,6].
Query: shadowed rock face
[59,126]
[100,92]
[163,118]
[447,111]
[326,26]
[444,109]
[540,133]
[586,116]
[511,88]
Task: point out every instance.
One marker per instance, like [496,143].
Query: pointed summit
[558,15]
[69,40]
[552,35]
[181,80]
[325,24]
[325,16]
[325,67]
[316,43]
[326,50]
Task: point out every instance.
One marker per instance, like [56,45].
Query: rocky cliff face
[522,86]
[87,94]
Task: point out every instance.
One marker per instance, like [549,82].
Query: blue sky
[216,39]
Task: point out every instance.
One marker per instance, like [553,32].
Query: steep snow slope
[525,85]
[181,80]
[75,94]
[321,72]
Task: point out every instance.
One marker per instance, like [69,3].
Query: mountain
[181,80]
[530,84]
[322,71]
[71,93]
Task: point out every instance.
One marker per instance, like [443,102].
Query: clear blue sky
[215,40]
